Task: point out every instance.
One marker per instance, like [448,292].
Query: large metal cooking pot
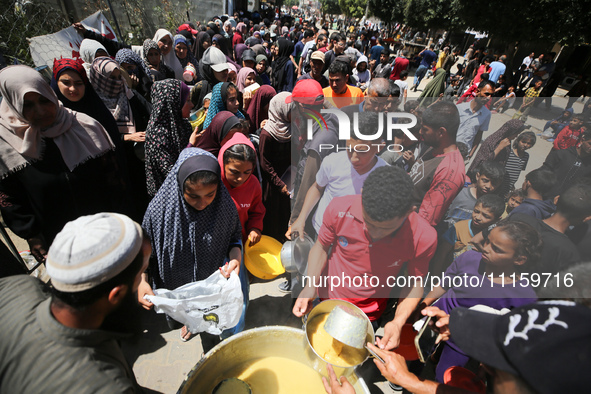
[270,341]
[325,307]
[294,254]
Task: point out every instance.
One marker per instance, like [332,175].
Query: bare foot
[185,334]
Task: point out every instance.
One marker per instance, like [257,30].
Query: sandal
[184,337]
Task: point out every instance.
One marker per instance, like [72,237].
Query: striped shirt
[513,168]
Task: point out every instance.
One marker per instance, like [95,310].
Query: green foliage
[330,6]
[435,14]
[388,10]
[553,20]
[19,21]
[353,8]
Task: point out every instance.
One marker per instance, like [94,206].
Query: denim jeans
[419,74]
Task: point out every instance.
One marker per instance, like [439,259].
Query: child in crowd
[515,199]
[454,241]
[570,135]
[505,102]
[237,160]
[489,177]
[452,90]
[403,85]
[361,74]
[517,160]
[340,174]
[510,248]
[536,187]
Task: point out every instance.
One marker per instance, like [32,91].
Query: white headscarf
[88,50]
[77,136]
[170,60]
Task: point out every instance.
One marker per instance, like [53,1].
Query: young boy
[454,241]
[452,90]
[528,101]
[489,177]
[341,174]
[403,85]
[570,135]
[515,199]
[536,187]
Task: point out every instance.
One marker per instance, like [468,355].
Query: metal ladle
[349,327]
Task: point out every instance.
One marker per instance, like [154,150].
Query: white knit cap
[91,250]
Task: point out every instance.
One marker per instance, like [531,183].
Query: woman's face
[181,50]
[221,76]
[38,110]
[205,45]
[232,103]
[153,57]
[232,77]
[198,195]
[228,28]
[237,172]
[71,85]
[165,45]
[250,79]
[129,67]
[261,66]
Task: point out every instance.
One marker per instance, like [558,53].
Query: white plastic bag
[211,305]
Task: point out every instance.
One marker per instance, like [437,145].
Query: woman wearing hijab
[223,44]
[434,88]
[213,68]
[227,32]
[167,133]
[166,43]
[193,225]
[238,37]
[238,51]
[221,129]
[202,42]
[258,111]
[131,112]
[153,60]
[183,53]
[246,77]
[55,164]
[497,146]
[283,76]
[138,72]
[275,158]
[89,50]
[224,97]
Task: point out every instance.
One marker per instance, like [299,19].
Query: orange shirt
[353,95]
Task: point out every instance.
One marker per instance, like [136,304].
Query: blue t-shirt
[297,50]
[428,58]
[375,52]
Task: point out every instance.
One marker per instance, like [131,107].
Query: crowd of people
[210,138]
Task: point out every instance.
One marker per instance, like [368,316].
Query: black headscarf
[285,50]
[197,46]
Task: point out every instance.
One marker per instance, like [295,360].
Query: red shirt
[355,254]
[400,65]
[438,180]
[247,197]
[237,39]
[567,138]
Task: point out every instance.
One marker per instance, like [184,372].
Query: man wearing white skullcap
[67,342]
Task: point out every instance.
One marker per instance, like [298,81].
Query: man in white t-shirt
[403,85]
[341,174]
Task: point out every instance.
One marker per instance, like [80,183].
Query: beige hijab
[78,136]
[278,124]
